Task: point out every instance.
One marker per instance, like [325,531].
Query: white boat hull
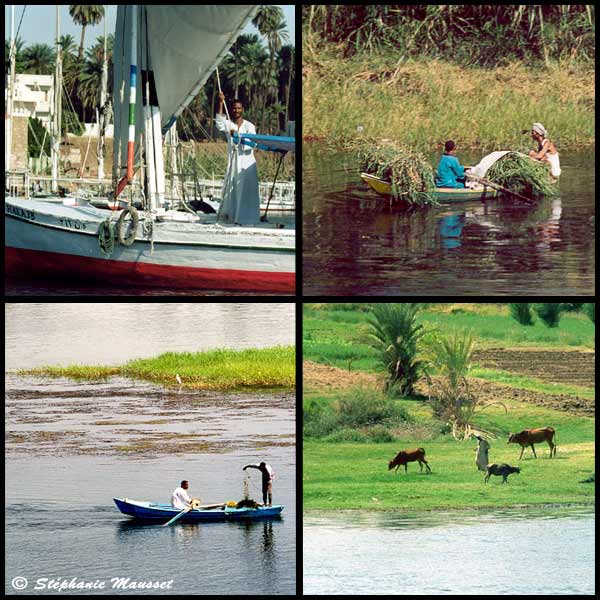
[47,239]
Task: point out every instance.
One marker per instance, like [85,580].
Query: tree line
[485,35]
[262,77]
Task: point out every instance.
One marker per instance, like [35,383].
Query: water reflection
[418,520]
[489,552]
[356,242]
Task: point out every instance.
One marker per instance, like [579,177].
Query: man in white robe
[240,203]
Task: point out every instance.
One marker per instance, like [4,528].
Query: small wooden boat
[160,513]
[439,194]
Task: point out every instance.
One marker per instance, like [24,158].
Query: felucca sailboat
[163,56]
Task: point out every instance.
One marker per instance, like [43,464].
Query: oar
[176,517]
[498,187]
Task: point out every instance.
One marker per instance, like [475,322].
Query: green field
[253,368]
[347,468]
[337,334]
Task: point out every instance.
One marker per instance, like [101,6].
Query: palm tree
[18,55]
[38,59]
[270,22]
[286,76]
[395,334]
[84,15]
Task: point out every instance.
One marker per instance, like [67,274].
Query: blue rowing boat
[152,511]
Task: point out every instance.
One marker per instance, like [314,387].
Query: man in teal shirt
[450,173]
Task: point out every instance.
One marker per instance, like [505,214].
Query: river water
[496,552]
[354,243]
[73,446]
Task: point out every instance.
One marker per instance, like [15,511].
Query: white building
[33,96]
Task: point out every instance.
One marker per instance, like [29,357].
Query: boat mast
[102,116]
[57,106]
[132,100]
[10,94]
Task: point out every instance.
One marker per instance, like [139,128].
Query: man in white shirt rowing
[180,499]
[267,481]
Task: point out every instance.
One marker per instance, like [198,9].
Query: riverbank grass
[349,475]
[421,103]
[253,368]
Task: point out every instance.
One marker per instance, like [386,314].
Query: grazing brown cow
[503,469]
[405,456]
[527,437]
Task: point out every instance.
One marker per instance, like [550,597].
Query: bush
[361,415]
[549,313]
[37,136]
[521,312]
[364,407]
[590,311]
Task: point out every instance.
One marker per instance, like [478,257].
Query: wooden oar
[176,517]
[498,187]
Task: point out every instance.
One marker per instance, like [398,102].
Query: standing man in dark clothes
[267,481]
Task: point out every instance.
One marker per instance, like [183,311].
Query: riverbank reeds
[422,103]
[479,34]
[253,368]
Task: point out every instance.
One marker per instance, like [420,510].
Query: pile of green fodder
[523,175]
[408,171]
[247,503]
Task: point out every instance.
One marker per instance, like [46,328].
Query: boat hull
[43,239]
[150,511]
[440,194]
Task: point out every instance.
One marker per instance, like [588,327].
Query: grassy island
[252,368]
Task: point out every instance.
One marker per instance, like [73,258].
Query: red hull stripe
[19,261]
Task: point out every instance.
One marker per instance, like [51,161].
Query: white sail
[184,45]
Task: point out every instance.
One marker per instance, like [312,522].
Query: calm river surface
[354,243]
[73,446]
[498,552]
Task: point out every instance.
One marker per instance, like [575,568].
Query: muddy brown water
[354,243]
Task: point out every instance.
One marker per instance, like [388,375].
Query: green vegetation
[549,313]
[484,35]
[350,433]
[394,335]
[523,175]
[355,475]
[409,172]
[209,161]
[362,414]
[337,334]
[257,69]
[254,368]
[423,74]
[521,312]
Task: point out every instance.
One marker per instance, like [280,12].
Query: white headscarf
[539,128]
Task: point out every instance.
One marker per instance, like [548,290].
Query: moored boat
[440,194]
[152,511]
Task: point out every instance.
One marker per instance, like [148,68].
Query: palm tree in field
[38,59]
[84,15]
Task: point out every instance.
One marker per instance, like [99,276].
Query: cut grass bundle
[408,171]
[523,175]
